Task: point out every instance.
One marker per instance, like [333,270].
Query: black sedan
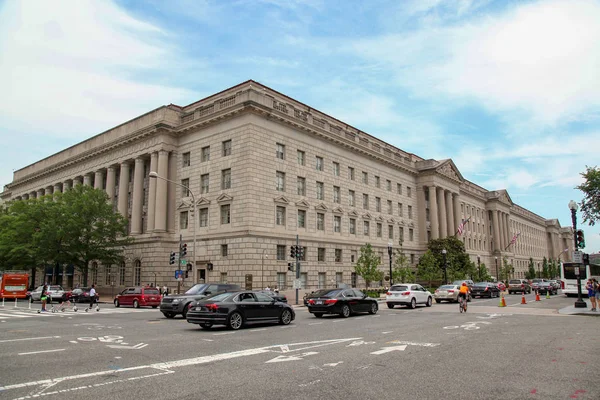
[81,295]
[340,301]
[236,309]
[485,289]
[545,287]
[275,295]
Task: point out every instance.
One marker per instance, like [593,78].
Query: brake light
[451,291]
[311,301]
[405,293]
[330,301]
[190,306]
[212,307]
[562,284]
[437,290]
[389,293]
[485,290]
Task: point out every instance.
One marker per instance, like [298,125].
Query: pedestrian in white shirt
[92,297]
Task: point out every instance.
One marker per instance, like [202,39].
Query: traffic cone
[537,296]
[547,294]
[523,299]
[502,301]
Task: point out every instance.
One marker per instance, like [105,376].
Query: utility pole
[179,265]
[297,267]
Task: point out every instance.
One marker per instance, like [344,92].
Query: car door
[248,306]
[348,297]
[267,307]
[421,294]
[363,303]
[128,296]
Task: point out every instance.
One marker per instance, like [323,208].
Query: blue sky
[509,90]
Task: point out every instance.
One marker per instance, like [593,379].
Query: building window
[183,220]
[186,159]
[338,258]
[224,250]
[281,280]
[320,221]
[366,228]
[336,169]
[336,194]
[320,191]
[353,256]
[351,201]
[352,226]
[390,231]
[321,254]
[412,259]
[388,185]
[377,182]
[401,235]
[319,163]
[301,219]
[301,185]
[226,148]
[389,207]
[204,182]
[365,178]
[185,187]
[410,234]
[226,179]
[337,223]
[303,279]
[280,216]
[280,181]
[427,215]
[203,217]
[379,230]
[223,277]
[400,210]
[378,204]
[399,188]
[322,282]
[301,157]
[410,212]
[353,279]
[205,155]
[137,273]
[122,273]
[408,191]
[351,173]
[225,214]
[365,201]
[280,153]
[281,252]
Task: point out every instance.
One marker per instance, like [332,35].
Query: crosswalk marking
[26,313]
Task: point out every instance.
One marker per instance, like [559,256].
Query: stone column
[56,188]
[421,214]
[87,179]
[66,186]
[111,175]
[457,218]
[160,213]
[442,218]
[98,179]
[123,189]
[503,231]
[508,234]
[495,222]
[152,192]
[450,214]
[138,191]
[172,195]
[76,181]
[433,213]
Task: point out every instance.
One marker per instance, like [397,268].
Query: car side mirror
[207,292]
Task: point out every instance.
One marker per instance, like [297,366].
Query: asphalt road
[518,352]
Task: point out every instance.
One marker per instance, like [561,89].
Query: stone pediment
[321,207]
[224,198]
[401,222]
[379,219]
[281,200]
[391,221]
[302,204]
[184,205]
[203,202]
[353,214]
[500,195]
[411,224]
[338,210]
[449,170]
[367,216]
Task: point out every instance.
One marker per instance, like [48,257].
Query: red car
[138,296]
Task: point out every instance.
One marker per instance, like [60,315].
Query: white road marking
[223,333]
[309,383]
[209,340]
[315,323]
[41,351]
[258,330]
[135,347]
[15,315]
[415,343]
[31,338]
[291,358]
[386,332]
[333,364]
[358,343]
[388,349]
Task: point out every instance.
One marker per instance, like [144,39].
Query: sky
[510,90]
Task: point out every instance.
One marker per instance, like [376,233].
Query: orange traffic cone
[537,296]
[523,299]
[502,301]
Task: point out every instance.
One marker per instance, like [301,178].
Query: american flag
[461,227]
[514,238]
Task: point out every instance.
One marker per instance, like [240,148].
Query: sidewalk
[571,310]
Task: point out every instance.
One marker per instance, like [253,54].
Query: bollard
[16,306]
[29,301]
[2,301]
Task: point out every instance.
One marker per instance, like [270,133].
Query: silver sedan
[447,293]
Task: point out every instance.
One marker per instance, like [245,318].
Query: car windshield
[198,288]
[55,288]
[446,287]
[151,291]
[481,284]
[398,288]
[326,293]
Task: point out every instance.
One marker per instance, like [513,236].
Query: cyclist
[464,291]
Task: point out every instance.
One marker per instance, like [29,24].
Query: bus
[568,279]
[13,284]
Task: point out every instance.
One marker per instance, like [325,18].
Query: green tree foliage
[590,204]
[507,269]
[367,265]
[530,274]
[553,269]
[459,264]
[429,269]
[545,270]
[402,270]
[483,274]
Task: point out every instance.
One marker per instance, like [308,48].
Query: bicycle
[462,304]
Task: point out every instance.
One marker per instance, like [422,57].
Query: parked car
[469,282]
[137,297]
[485,289]
[408,294]
[55,293]
[545,287]
[518,286]
[172,305]
[555,283]
[236,309]
[275,295]
[447,293]
[340,301]
[82,295]
[305,298]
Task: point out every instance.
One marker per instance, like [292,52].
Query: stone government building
[264,168]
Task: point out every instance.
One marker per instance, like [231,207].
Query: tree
[507,268]
[459,264]
[483,274]
[530,274]
[367,265]
[545,271]
[553,269]
[429,269]
[402,271]
[590,204]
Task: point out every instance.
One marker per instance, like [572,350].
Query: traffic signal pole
[179,265]
[297,267]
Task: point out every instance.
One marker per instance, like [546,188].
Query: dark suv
[518,286]
[172,305]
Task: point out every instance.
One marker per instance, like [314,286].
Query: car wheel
[390,305]
[373,309]
[154,306]
[117,303]
[235,321]
[206,325]
[136,304]
[169,315]
[413,303]
[491,295]
[286,317]
[429,302]
[318,315]
[185,311]
[437,301]
[345,311]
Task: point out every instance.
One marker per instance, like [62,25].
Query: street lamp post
[479,268]
[154,175]
[390,251]
[445,266]
[262,268]
[497,277]
[579,303]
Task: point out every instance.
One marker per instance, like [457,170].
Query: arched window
[122,273]
[137,273]
[94,272]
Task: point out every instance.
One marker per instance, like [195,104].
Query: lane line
[15,315]
[41,351]
[31,338]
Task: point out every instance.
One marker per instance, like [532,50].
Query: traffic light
[183,250]
[209,266]
[172,258]
[580,239]
[293,251]
[300,252]
[586,259]
[291,267]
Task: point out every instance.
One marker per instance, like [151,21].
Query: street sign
[576,271]
[578,257]
[178,273]
[183,262]
[297,284]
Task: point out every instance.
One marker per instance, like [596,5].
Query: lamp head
[573,206]
[444,251]
[153,174]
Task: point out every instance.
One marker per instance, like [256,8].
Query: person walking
[596,287]
[92,297]
[44,298]
[591,293]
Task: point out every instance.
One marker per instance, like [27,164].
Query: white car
[55,292]
[408,294]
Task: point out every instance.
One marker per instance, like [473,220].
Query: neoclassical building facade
[264,169]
